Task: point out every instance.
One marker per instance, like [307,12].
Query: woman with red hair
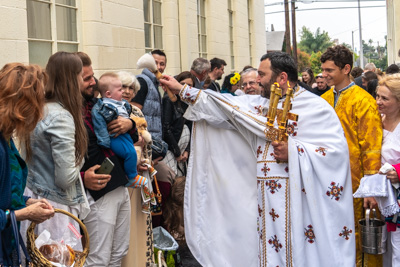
[21,105]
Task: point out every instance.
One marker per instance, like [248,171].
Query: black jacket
[96,154]
[173,122]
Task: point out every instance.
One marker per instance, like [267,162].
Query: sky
[337,17]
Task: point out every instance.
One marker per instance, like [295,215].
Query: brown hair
[86,61]
[63,69]
[21,101]
[339,54]
[173,212]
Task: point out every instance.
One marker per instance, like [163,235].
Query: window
[201,26]
[250,25]
[52,27]
[152,25]
[231,43]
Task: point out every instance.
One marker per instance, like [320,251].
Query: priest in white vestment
[242,207]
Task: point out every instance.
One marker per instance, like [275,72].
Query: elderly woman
[388,101]
[140,231]
[130,87]
[21,106]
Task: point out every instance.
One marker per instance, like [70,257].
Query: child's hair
[104,86]
[173,212]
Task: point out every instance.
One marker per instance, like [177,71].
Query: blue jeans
[123,147]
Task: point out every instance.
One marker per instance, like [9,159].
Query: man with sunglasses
[322,86]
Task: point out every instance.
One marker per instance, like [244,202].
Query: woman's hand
[37,212]
[31,201]
[119,126]
[141,167]
[94,181]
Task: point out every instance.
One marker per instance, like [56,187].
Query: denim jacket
[52,172]
[102,114]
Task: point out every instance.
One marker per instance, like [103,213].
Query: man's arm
[369,132]
[370,140]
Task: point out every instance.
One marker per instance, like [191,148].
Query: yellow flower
[235,79]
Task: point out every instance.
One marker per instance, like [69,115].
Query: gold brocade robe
[362,125]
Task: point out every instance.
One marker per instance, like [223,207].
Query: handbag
[157,209]
[159,148]
[16,258]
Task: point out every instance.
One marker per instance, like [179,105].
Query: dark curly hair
[340,55]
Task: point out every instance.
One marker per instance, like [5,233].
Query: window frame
[202,33]
[153,25]
[54,41]
[231,33]
[250,29]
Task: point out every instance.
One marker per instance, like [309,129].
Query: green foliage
[303,60]
[310,42]
[315,62]
[376,55]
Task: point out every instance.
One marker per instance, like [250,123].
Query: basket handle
[86,246]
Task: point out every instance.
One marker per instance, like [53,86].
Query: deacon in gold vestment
[361,122]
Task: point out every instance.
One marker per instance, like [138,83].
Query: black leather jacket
[173,122]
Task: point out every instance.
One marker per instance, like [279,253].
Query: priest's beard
[267,86]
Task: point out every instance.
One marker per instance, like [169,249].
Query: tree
[303,60]
[315,62]
[310,42]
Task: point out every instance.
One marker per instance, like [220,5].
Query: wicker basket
[37,258]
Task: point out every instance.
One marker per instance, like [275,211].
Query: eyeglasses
[130,87]
[319,76]
[252,83]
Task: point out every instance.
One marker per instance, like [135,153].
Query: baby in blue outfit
[108,108]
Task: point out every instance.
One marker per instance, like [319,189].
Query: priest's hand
[171,83]
[280,150]
[370,203]
[392,176]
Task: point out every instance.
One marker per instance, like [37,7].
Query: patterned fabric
[361,121]
[297,222]
[19,172]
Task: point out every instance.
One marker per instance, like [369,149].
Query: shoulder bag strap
[18,240]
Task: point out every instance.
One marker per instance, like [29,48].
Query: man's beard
[266,92]
[88,96]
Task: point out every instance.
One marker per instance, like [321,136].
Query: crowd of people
[234,189]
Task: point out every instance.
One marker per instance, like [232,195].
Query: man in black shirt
[217,70]
[322,87]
